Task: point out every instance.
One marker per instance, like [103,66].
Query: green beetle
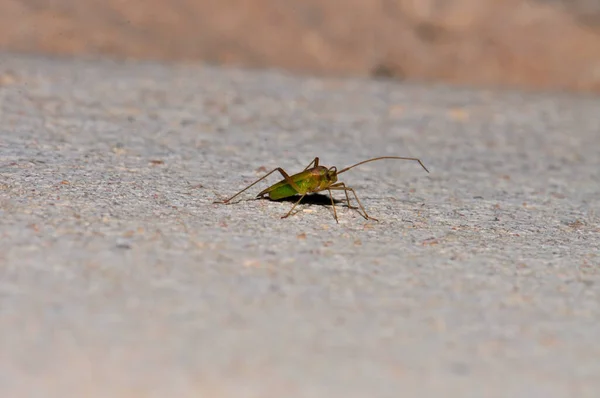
[314,178]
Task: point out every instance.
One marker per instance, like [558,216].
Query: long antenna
[382,157]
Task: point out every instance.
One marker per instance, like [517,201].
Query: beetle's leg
[249,186]
[294,206]
[340,186]
[333,204]
[315,162]
[283,173]
[287,179]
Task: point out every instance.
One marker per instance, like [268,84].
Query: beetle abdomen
[283,191]
[306,181]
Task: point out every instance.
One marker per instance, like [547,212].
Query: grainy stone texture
[119,276]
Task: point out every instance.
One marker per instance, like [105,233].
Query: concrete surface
[518,43]
[119,277]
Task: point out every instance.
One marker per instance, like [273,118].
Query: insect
[314,178]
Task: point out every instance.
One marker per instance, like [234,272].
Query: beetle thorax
[324,177]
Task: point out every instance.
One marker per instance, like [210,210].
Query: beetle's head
[331,174]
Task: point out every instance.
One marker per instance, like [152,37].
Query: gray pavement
[119,277]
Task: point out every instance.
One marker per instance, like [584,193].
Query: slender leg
[294,206]
[279,169]
[333,204]
[340,186]
[315,162]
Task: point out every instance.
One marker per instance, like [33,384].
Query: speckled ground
[120,277]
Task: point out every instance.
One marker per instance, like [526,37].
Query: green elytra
[314,179]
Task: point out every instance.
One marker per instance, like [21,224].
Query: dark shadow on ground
[312,199]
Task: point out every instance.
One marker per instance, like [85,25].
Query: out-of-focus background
[537,44]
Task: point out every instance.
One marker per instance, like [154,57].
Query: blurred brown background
[543,44]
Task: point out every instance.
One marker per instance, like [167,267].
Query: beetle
[314,178]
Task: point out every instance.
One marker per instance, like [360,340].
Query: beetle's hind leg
[314,163]
[266,191]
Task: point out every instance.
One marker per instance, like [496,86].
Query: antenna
[382,157]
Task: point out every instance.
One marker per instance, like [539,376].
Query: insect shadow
[312,199]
